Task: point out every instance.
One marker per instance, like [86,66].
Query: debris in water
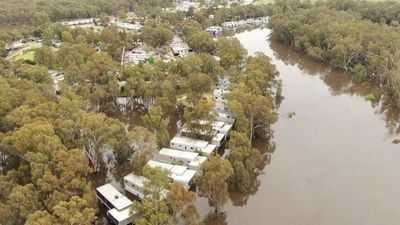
[397,141]
[290,114]
[370,97]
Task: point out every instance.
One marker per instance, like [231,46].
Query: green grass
[28,55]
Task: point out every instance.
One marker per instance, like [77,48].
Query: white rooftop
[219,137]
[178,154]
[178,173]
[135,179]
[199,160]
[225,129]
[186,141]
[173,169]
[129,26]
[164,166]
[118,200]
[209,149]
[185,177]
[120,215]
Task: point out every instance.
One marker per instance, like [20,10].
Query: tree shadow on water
[213,218]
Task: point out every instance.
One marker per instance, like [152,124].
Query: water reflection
[213,218]
[334,161]
[340,82]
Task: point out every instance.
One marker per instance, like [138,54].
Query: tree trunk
[251,131]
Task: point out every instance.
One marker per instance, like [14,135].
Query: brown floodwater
[334,161]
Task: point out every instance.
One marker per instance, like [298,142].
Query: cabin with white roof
[118,204]
[190,159]
[134,184]
[78,22]
[180,50]
[196,164]
[136,56]
[214,30]
[174,156]
[129,26]
[179,47]
[222,127]
[179,174]
[226,117]
[192,145]
[122,217]
[219,139]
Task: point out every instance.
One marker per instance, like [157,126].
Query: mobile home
[226,117]
[192,145]
[196,164]
[222,127]
[179,174]
[117,203]
[174,156]
[135,185]
[219,139]
[120,217]
[191,159]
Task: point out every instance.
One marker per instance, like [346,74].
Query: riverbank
[334,160]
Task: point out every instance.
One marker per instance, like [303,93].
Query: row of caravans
[182,160]
[185,154]
[247,22]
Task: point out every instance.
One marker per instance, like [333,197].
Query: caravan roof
[209,149]
[185,177]
[118,200]
[178,154]
[120,215]
[178,173]
[174,169]
[135,179]
[198,161]
[185,141]
[219,137]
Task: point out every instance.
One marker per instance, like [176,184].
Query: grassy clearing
[27,54]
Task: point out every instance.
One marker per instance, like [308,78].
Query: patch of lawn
[28,55]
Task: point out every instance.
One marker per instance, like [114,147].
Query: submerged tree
[156,121]
[183,203]
[200,120]
[255,113]
[247,163]
[231,52]
[143,147]
[157,183]
[212,181]
[154,212]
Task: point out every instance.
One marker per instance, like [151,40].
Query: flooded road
[334,161]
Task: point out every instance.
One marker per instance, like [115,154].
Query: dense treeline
[343,39]
[380,12]
[51,143]
[30,11]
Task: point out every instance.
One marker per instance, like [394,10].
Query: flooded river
[334,161]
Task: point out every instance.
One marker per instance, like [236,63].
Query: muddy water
[334,162]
